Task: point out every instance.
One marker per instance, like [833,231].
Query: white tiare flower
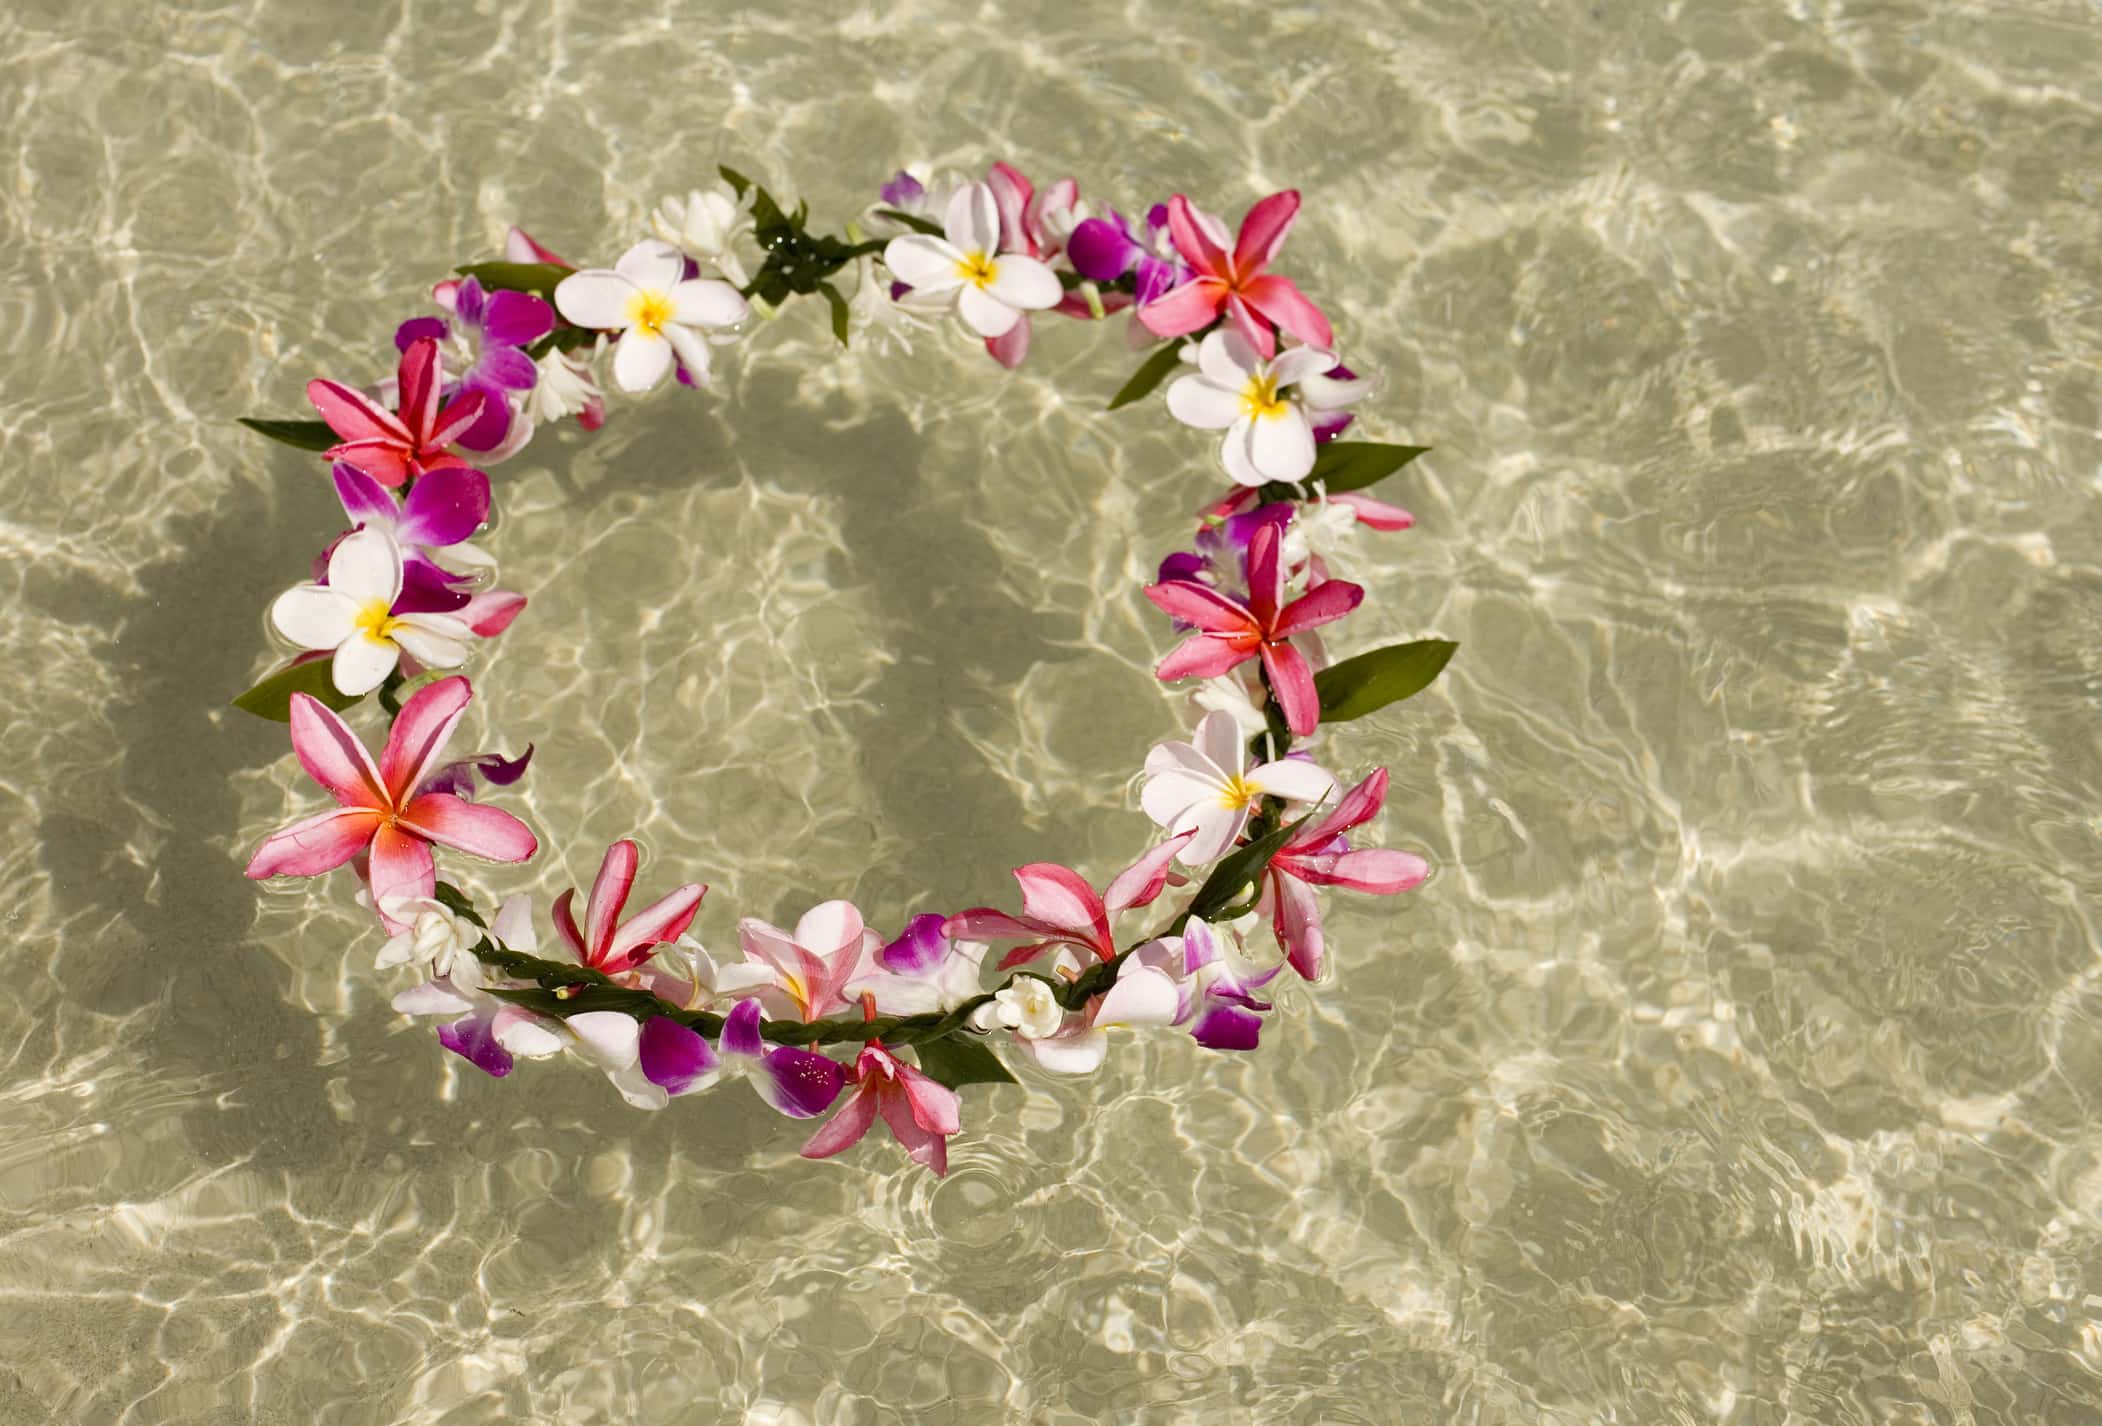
[434,936]
[1027,1006]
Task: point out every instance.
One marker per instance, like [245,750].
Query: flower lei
[404,595]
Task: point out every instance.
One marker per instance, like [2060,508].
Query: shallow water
[1737,1064]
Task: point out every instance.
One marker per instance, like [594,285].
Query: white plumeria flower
[989,289]
[706,226]
[432,936]
[1029,1007]
[353,615]
[658,311]
[1268,435]
[1207,787]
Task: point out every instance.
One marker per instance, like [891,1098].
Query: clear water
[1737,1065]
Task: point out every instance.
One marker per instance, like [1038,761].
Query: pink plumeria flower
[829,947]
[354,616]
[1268,435]
[1237,283]
[659,312]
[989,289]
[920,1113]
[403,444]
[605,945]
[1059,908]
[1230,632]
[1207,788]
[384,811]
[1320,854]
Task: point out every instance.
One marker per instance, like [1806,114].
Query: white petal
[640,360]
[986,314]
[314,616]
[1294,778]
[595,298]
[433,997]
[608,1036]
[1219,739]
[1281,447]
[1233,454]
[1298,363]
[362,664]
[829,927]
[1227,359]
[1141,996]
[1215,826]
[704,302]
[651,264]
[973,220]
[1075,1054]
[636,1088]
[366,565]
[513,924]
[431,639]
[1329,393]
[1167,797]
[1025,283]
[692,352]
[523,1033]
[923,262]
[1201,402]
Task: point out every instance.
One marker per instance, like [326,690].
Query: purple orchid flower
[1104,249]
[1221,557]
[903,192]
[495,769]
[442,510]
[799,1083]
[492,328]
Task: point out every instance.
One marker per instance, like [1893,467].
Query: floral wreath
[404,595]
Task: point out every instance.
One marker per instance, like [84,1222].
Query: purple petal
[365,500]
[515,319]
[899,289]
[458,778]
[489,429]
[902,191]
[1183,564]
[504,368]
[919,950]
[417,328]
[674,1056]
[1330,424]
[443,508]
[740,1034]
[799,1083]
[1227,1027]
[1156,277]
[473,1039]
[500,770]
[1102,251]
[427,589]
[469,301]
[1157,217]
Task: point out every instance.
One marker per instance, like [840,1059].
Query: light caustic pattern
[1737,1064]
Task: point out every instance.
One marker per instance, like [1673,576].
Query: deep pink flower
[921,1113]
[604,944]
[1059,908]
[384,810]
[1230,632]
[1319,854]
[395,446]
[1237,282]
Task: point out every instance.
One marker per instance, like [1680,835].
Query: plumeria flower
[1230,632]
[989,289]
[442,510]
[829,947]
[706,226]
[385,810]
[920,1113]
[1059,908]
[1268,435]
[485,1031]
[489,332]
[799,1083]
[1237,283]
[432,934]
[1220,559]
[603,943]
[1206,787]
[922,971]
[403,444]
[1320,854]
[658,311]
[355,614]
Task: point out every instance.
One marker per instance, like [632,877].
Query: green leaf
[302,435]
[1237,871]
[838,304]
[1148,376]
[960,1059]
[1353,465]
[1370,681]
[737,181]
[539,278]
[272,698]
[918,225]
[455,900]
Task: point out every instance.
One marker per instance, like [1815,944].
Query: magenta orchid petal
[674,1057]
[418,329]
[798,1083]
[516,319]
[315,845]
[471,827]
[419,735]
[740,1034]
[365,500]
[333,756]
[444,508]
[1102,250]
[473,1039]
[1227,1027]
[919,949]
[456,419]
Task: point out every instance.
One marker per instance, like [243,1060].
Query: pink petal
[1266,573]
[315,845]
[1011,347]
[1292,683]
[491,612]
[1283,303]
[401,866]
[1207,656]
[1022,955]
[1184,309]
[456,419]
[1011,194]
[935,1107]
[1326,602]
[471,827]
[1058,896]
[1378,870]
[418,737]
[1140,882]
[353,415]
[665,919]
[1359,806]
[333,756]
[385,460]
[1255,331]
[420,375]
[520,247]
[1295,919]
[845,1128]
[565,918]
[1190,239]
[921,1145]
[1263,232]
[1376,513]
[609,892]
[983,923]
[1200,604]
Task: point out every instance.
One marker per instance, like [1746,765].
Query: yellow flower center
[978,269]
[1260,400]
[376,623]
[1239,794]
[649,310]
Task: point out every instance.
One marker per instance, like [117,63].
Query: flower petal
[664,919]
[1068,1054]
[314,616]
[401,866]
[332,754]
[799,1083]
[595,298]
[1100,251]
[362,664]
[1206,656]
[923,262]
[1227,1027]
[1139,883]
[609,893]
[921,1144]
[609,1037]
[315,844]
[844,1129]
[365,500]
[1284,304]
[984,313]
[1198,401]
[353,415]
[420,379]
[653,265]
[418,737]
[1059,896]
[1295,779]
[1292,684]
[1323,604]
[1380,871]
[972,224]
[674,1057]
[705,302]
[1142,996]
[1263,231]
[471,827]
[1192,239]
[1201,605]
[366,565]
[640,360]
[444,508]
[1026,283]
[515,319]
[829,928]
[471,1038]
[1184,309]
[1281,445]
[435,640]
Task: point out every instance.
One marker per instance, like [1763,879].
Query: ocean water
[1737,1064]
